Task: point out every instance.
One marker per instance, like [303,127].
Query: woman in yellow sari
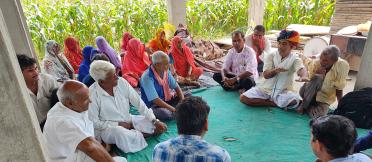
[160,43]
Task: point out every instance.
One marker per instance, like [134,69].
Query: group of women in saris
[135,58]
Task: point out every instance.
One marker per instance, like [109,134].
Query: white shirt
[283,80]
[63,131]
[106,110]
[238,63]
[41,101]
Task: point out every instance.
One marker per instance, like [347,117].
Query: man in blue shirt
[192,124]
[332,139]
[157,84]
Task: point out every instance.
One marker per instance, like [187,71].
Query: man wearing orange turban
[279,70]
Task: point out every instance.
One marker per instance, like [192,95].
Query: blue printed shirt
[189,148]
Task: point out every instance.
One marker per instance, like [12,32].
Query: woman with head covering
[135,62]
[104,47]
[73,52]
[184,62]
[124,42]
[159,43]
[88,80]
[55,63]
[88,53]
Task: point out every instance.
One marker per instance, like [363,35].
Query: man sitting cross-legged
[279,70]
[68,132]
[109,110]
[240,67]
[192,124]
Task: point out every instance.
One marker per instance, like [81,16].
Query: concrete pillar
[256,12]
[20,135]
[176,12]
[364,78]
[17,27]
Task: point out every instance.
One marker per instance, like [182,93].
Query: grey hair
[99,69]
[157,57]
[63,94]
[332,51]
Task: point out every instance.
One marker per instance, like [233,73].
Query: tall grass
[216,18]
[281,13]
[56,19]
[86,19]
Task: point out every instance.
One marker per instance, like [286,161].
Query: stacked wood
[350,12]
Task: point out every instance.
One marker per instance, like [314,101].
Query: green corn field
[208,19]
[281,13]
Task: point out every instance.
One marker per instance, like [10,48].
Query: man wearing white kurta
[39,85]
[69,133]
[109,110]
[279,70]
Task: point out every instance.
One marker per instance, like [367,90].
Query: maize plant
[209,19]
[281,13]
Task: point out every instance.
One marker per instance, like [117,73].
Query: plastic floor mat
[249,134]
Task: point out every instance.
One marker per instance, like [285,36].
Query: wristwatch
[237,78]
[155,121]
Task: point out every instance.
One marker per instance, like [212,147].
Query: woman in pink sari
[135,62]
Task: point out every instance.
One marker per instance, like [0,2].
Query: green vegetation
[216,18]
[56,19]
[86,19]
[281,13]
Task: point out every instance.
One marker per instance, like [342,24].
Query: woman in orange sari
[73,53]
[159,43]
[135,62]
[183,62]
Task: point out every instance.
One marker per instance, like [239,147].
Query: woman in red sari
[73,53]
[135,62]
[183,62]
[124,43]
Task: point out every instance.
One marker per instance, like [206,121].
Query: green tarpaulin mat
[262,133]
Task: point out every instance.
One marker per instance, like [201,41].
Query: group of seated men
[84,120]
[324,77]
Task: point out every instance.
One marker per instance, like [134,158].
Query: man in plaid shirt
[192,124]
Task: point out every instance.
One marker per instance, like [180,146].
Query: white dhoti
[129,140]
[277,88]
[86,158]
[282,99]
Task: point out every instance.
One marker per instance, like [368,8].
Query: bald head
[74,95]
